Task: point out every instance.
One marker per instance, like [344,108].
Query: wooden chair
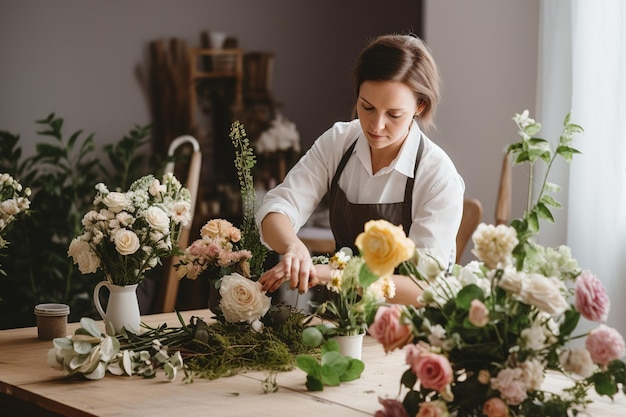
[503,202]
[169,288]
[472,215]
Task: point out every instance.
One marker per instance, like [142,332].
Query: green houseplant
[61,174]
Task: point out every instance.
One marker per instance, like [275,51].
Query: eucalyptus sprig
[532,149]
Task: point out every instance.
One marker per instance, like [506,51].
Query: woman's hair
[403,58]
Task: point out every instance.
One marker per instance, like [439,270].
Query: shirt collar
[404,162]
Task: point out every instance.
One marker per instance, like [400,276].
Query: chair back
[169,288]
[472,216]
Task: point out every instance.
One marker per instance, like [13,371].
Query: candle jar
[51,320]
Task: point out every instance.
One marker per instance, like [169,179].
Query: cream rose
[126,242]
[384,246]
[578,361]
[87,260]
[542,293]
[478,314]
[494,244]
[242,299]
[116,202]
[157,219]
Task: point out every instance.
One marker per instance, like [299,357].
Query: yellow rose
[384,246]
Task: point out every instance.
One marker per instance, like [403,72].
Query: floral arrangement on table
[249,333]
[127,233]
[14,202]
[488,332]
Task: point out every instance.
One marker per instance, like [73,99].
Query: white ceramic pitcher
[122,308]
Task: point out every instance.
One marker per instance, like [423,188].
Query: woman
[377,166]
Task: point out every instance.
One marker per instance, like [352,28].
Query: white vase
[122,308]
[351,345]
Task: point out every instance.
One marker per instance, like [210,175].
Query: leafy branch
[532,149]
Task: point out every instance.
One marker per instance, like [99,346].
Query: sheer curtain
[582,68]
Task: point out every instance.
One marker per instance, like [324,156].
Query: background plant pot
[351,345]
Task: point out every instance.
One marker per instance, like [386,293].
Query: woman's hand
[295,266]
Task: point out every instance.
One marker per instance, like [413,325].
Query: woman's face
[386,110]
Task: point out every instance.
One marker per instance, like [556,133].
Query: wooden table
[30,387]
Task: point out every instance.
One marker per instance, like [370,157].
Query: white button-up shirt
[437,193]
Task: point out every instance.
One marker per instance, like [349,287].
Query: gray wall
[79,58]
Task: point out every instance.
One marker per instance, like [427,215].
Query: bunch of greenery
[61,175]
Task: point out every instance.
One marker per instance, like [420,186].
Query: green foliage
[330,368]
[244,162]
[61,174]
[531,149]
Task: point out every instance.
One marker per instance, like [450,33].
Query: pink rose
[510,382]
[388,329]
[591,299]
[391,408]
[433,370]
[478,314]
[605,344]
[432,409]
[495,407]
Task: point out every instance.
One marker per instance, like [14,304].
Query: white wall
[487,54]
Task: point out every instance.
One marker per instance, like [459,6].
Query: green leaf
[329,376]
[409,379]
[314,384]
[308,364]
[335,360]
[549,200]
[569,323]
[331,345]
[354,371]
[533,222]
[366,276]
[90,326]
[467,295]
[566,152]
[544,212]
[604,384]
[312,336]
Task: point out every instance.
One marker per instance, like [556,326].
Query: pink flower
[495,407]
[388,329]
[478,314]
[591,299]
[605,344]
[510,382]
[391,408]
[432,409]
[433,370]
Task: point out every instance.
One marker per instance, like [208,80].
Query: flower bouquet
[14,202]
[127,233]
[488,332]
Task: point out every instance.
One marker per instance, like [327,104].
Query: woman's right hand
[295,266]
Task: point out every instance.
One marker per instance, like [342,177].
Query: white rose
[157,219]
[126,242]
[242,299]
[578,361]
[533,372]
[156,189]
[512,280]
[116,202]
[83,255]
[534,338]
[429,264]
[10,207]
[541,292]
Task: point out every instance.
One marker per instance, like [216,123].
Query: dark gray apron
[347,219]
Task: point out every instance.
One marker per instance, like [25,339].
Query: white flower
[126,242]
[87,260]
[181,212]
[157,219]
[242,299]
[534,337]
[116,201]
[533,373]
[429,264]
[494,244]
[542,293]
[10,207]
[156,189]
[578,361]
[512,280]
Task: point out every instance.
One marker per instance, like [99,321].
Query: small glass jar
[51,320]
